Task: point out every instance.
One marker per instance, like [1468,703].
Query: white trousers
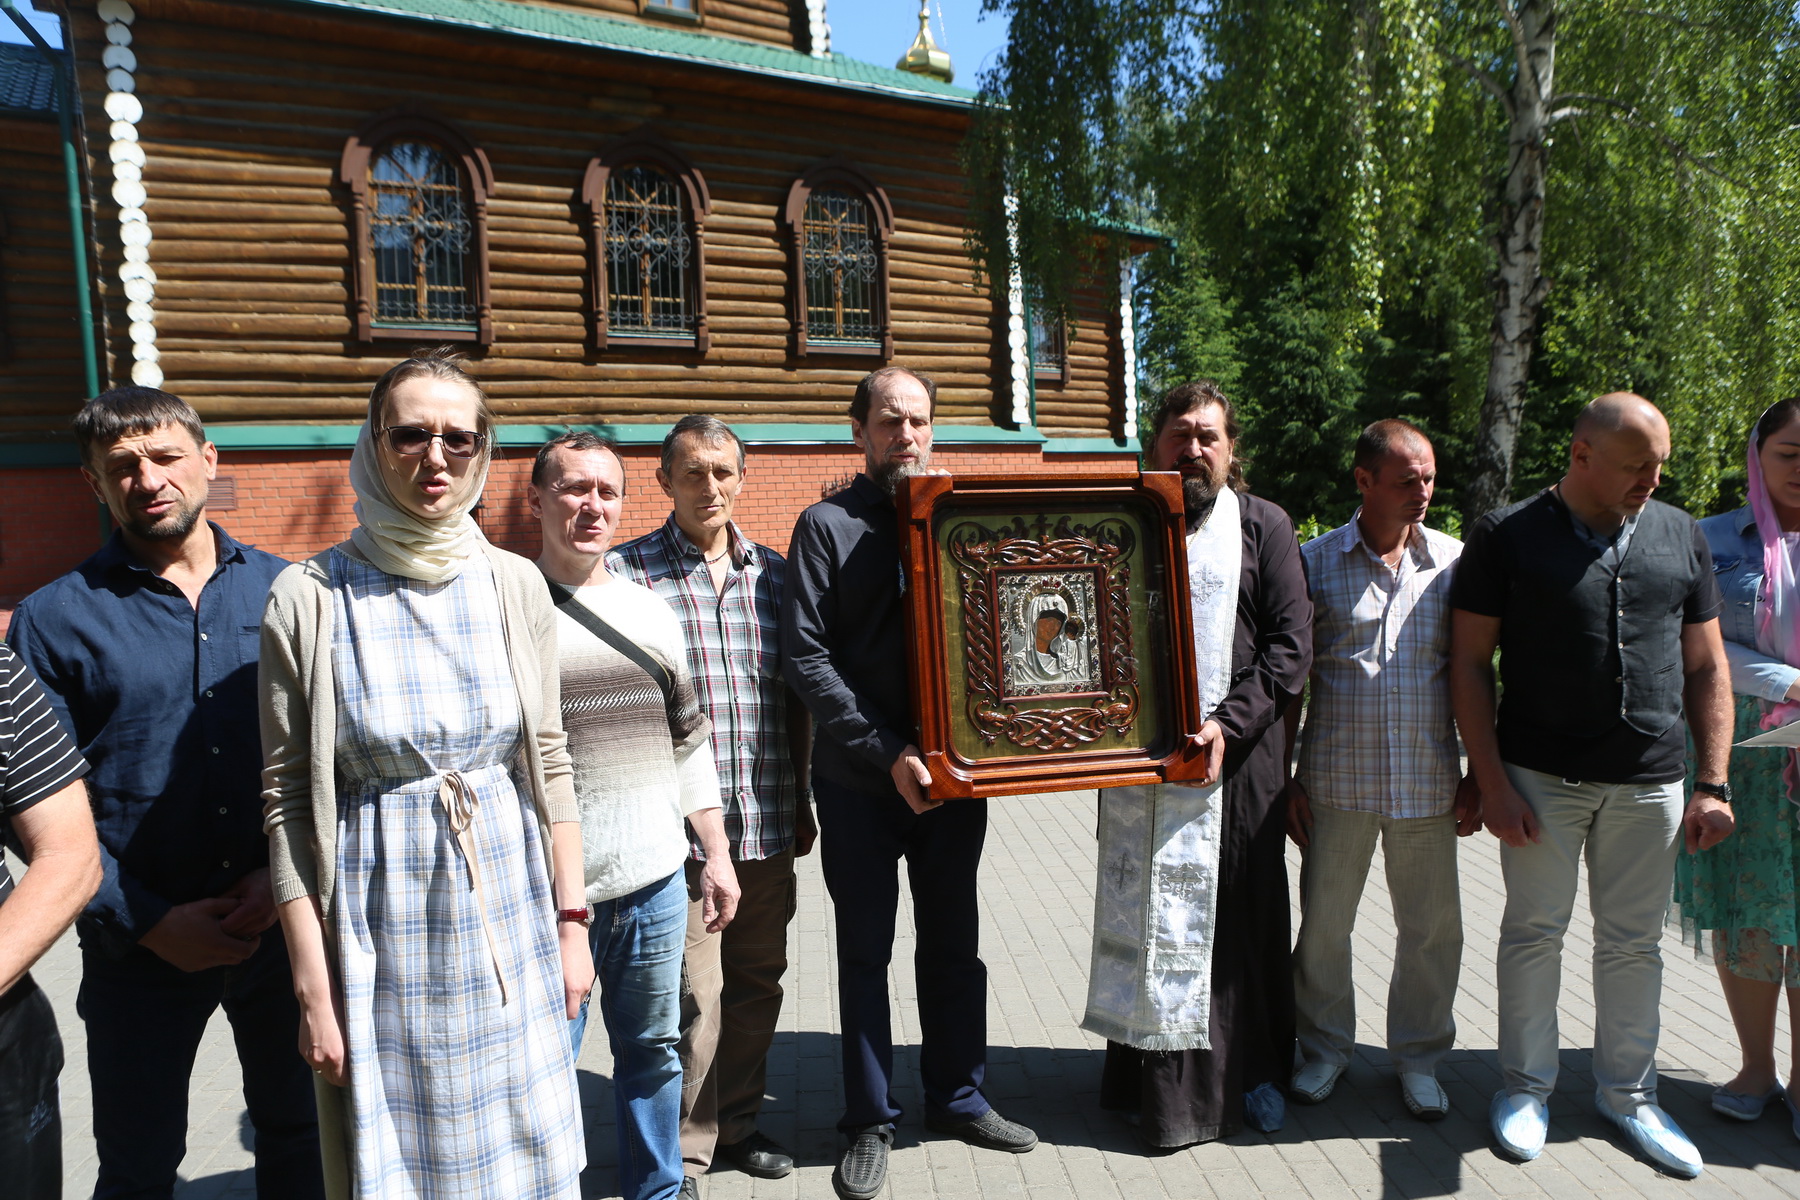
[1628,834]
[1420,857]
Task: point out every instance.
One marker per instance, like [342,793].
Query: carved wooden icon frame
[1049,634]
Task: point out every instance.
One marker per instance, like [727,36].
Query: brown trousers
[730,1003]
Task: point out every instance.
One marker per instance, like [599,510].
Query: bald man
[1602,604]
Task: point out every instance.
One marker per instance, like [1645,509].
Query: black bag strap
[589,620]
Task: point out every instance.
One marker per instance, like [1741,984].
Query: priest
[1191,982]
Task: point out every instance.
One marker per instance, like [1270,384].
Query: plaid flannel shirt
[1379,736]
[734,652]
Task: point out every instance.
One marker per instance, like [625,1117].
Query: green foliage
[1330,170]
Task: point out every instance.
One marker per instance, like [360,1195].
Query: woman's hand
[577,966]
[322,1038]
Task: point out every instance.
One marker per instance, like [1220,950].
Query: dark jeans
[144,1022]
[31,1057]
[863,837]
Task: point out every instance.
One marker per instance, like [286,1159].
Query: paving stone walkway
[1037,910]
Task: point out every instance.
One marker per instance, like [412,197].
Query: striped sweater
[639,769]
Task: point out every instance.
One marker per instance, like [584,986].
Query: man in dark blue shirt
[843,651]
[149,651]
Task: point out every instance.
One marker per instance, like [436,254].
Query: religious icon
[1050,628]
[1048,619]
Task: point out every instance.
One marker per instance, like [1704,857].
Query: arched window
[648,210]
[839,225]
[419,190]
[1049,346]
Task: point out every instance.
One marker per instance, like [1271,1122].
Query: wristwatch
[1721,790]
[583,917]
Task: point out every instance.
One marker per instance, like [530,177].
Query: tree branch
[1678,19]
[1485,78]
[1521,52]
[1629,114]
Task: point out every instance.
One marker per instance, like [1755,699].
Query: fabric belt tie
[459,802]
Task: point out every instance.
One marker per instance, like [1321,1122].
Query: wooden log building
[624,210]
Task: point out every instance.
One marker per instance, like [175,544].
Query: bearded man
[843,650]
[148,653]
[1191,983]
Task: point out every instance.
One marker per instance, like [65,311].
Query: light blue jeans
[1628,833]
[637,941]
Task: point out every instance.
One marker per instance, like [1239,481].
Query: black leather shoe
[757,1155]
[990,1131]
[863,1169]
[690,1188]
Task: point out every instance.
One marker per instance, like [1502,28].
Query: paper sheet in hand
[1784,736]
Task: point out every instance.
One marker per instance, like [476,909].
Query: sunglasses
[410,440]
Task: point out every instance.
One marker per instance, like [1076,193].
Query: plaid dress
[461,1079]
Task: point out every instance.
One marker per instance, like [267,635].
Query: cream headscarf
[399,541]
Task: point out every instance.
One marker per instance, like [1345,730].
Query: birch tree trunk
[1519,284]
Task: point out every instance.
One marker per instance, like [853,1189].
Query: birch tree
[1398,166]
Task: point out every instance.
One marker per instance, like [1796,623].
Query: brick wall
[296,503]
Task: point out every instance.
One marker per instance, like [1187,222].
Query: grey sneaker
[863,1169]
[990,1131]
[690,1188]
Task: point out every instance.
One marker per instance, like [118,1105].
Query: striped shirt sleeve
[37,759]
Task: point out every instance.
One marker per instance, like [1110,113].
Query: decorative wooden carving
[1051,644]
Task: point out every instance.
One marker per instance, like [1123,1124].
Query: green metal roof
[27,82]
[539,23]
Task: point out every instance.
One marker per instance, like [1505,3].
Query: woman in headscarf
[423,832]
[1742,890]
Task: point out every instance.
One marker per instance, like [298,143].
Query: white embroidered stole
[1156,886]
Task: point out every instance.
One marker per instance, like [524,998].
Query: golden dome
[924,58]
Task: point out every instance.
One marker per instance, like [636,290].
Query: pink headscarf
[1778,606]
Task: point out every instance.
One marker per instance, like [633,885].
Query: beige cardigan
[299,716]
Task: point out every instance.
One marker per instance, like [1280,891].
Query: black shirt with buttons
[1591,669]
[160,697]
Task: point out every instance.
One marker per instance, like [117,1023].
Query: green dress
[1747,880]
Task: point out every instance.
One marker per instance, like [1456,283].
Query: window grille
[841,260]
[421,233]
[649,254]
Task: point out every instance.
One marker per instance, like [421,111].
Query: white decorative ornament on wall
[123,106]
[127,156]
[1017,339]
[1128,347]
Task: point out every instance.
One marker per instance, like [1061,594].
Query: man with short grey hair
[726,591]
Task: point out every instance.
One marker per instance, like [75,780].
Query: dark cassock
[1191,983]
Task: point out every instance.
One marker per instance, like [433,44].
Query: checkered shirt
[734,651]
[1379,736]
